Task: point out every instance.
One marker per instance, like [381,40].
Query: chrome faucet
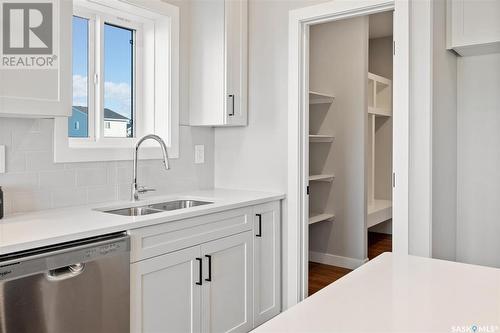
[137,189]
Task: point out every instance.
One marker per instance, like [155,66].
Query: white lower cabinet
[267,262]
[164,293]
[227,284]
[227,287]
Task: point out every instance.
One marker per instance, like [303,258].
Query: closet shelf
[383,112]
[379,95]
[321,178]
[319,98]
[379,211]
[379,78]
[314,138]
[320,217]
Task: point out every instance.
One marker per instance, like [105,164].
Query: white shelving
[379,105]
[321,178]
[379,211]
[379,95]
[320,217]
[317,138]
[320,98]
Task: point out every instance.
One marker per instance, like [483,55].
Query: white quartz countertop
[21,232]
[396,293]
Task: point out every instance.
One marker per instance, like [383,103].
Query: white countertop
[30,230]
[394,293]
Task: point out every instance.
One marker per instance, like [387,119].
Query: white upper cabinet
[35,66]
[473,27]
[218,64]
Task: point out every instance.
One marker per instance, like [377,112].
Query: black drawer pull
[200,279]
[209,268]
[259,234]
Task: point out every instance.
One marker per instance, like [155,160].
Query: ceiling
[380,25]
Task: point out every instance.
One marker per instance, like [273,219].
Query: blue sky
[117,66]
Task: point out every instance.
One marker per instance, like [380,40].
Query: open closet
[350,141]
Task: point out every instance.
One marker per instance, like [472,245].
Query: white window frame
[156,85]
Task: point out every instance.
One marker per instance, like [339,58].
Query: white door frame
[296,260]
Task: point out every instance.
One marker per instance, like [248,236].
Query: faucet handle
[143,189]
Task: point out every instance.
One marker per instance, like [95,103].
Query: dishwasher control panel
[62,255]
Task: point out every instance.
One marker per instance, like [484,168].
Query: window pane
[78,122]
[119,78]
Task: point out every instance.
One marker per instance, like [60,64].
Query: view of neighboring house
[115,125]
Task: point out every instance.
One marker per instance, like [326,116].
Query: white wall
[478,186]
[444,140]
[34,182]
[255,157]
[380,56]
[420,129]
[338,65]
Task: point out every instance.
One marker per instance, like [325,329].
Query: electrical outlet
[199,154]
[2,159]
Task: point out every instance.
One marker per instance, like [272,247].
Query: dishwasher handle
[64,273]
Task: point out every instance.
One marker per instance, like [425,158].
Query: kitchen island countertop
[400,293]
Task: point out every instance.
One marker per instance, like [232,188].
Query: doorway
[301,24]
[350,142]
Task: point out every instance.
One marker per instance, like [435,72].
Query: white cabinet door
[473,27]
[227,286]
[236,33]
[218,63]
[35,73]
[267,262]
[165,296]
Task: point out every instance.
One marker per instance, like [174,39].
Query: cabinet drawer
[171,236]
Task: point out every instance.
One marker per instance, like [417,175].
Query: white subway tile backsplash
[58,179]
[34,182]
[29,201]
[16,161]
[101,194]
[124,191]
[41,161]
[124,175]
[32,140]
[91,177]
[17,182]
[64,197]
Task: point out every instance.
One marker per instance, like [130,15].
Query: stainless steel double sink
[157,208]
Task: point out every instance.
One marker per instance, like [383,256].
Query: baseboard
[333,260]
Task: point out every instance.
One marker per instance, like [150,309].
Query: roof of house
[108,114]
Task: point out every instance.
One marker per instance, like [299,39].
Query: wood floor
[321,275]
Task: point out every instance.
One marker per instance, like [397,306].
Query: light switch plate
[199,154]
[2,159]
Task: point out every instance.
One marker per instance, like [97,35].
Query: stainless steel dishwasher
[80,286]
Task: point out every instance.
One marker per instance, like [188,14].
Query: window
[119,67]
[113,105]
[125,80]
[80,79]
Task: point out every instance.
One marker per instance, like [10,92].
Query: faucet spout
[136,189]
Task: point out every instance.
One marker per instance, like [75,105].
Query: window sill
[69,150]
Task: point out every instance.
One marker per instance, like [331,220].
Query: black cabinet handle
[232,105]
[259,234]
[200,279]
[209,268]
